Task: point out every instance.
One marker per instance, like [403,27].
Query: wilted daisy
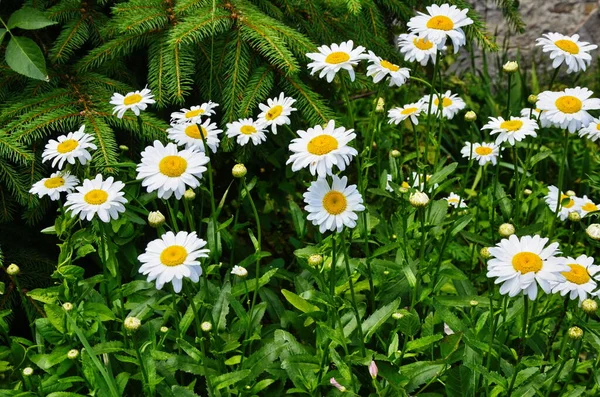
[171,171]
[333,207]
[592,131]
[136,101]
[517,263]
[484,152]
[536,114]
[451,105]
[441,23]
[97,197]
[455,201]
[172,257]
[568,49]
[194,114]
[416,49]
[239,271]
[245,130]
[578,281]
[321,148]
[585,205]
[399,114]
[196,136]
[379,69]
[511,131]
[330,60]
[276,112]
[568,109]
[68,148]
[552,200]
[58,183]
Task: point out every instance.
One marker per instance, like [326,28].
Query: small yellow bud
[506,229]
[574,216]
[27,371]
[13,270]
[575,333]
[123,148]
[315,260]
[589,306]
[570,193]
[470,116]
[189,195]
[532,99]
[239,271]
[164,329]
[68,306]
[485,253]
[397,316]
[239,171]
[132,324]
[593,231]
[418,199]
[394,237]
[473,303]
[395,153]
[380,105]
[206,326]
[73,354]
[156,218]
[510,67]
[527,192]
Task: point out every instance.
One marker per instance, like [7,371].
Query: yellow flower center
[440,22]
[172,166]
[511,125]
[577,275]
[569,104]
[274,112]
[96,197]
[589,207]
[194,132]
[569,204]
[409,111]
[598,127]
[174,255]
[389,66]
[445,102]
[405,185]
[194,113]
[453,200]
[526,262]
[337,57]
[483,150]
[422,44]
[322,144]
[567,46]
[67,146]
[247,130]
[334,202]
[132,99]
[53,183]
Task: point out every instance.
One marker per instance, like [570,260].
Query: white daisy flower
[246,130]
[553,202]
[568,109]
[416,49]
[592,131]
[536,114]
[484,152]
[387,183]
[455,201]
[451,105]
[441,23]
[136,101]
[97,197]
[585,205]
[70,147]
[418,185]
[330,60]
[321,148]
[196,136]
[379,69]
[333,207]
[578,281]
[276,112]
[568,49]
[172,257]
[239,271]
[519,263]
[511,131]
[194,114]
[58,183]
[171,171]
[399,114]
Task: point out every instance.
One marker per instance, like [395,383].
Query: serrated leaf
[221,308]
[24,56]
[378,318]
[231,378]
[423,342]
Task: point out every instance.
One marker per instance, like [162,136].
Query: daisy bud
[13,270]
[575,333]
[73,354]
[418,199]
[485,253]
[123,148]
[394,237]
[386,272]
[593,231]
[27,371]
[132,324]
[510,67]
[574,216]
[156,218]
[589,306]
[373,370]
[506,229]
[68,306]
[189,195]
[164,329]
[239,271]
[380,105]
[206,326]
[239,171]
[470,116]
[570,193]
[397,316]
[315,260]
[527,192]
[473,303]
[532,99]
[337,385]
[395,153]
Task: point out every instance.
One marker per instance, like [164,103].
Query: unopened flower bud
[527,192]
[132,324]
[570,193]
[510,67]
[27,371]
[13,270]
[589,306]
[532,99]
[239,171]
[336,384]
[68,306]
[485,253]
[189,195]
[470,116]
[155,218]
[386,272]
[418,199]
[395,153]
[206,326]
[397,316]
[315,260]
[574,216]
[380,105]
[394,237]
[473,303]
[593,231]
[164,329]
[123,148]
[239,271]
[373,370]
[506,229]
[73,354]
[575,333]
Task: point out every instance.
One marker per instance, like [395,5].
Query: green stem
[517,212]
[259,239]
[563,362]
[213,212]
[521,344]
[202,348]
[421,212]
[561,173]
[142,367]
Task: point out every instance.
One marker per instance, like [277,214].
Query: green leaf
[2,33]
[25,57]
[378,318]
[230,378]
[298,302]
[240,289]
[423,342]
[99,311]
[47,361]
[409,324]
[56,316]
[442,174]
[221,308]
[29,19]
